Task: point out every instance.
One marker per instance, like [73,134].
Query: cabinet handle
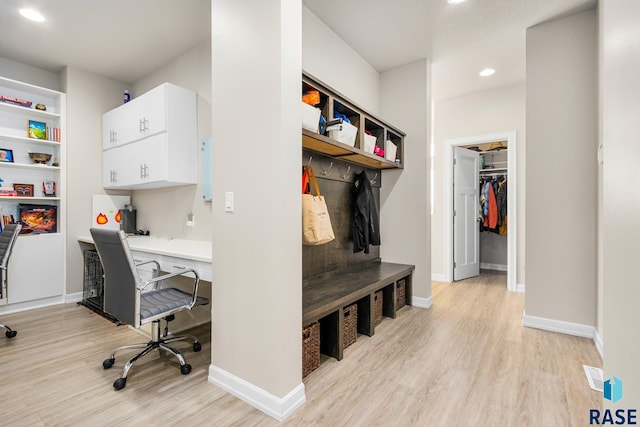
[181,267]
[141,125]
[141,172]
[146,171]
[115,137]
[146,125]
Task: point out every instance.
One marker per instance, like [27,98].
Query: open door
[466,232]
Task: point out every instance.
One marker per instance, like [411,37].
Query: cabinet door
[152,112]
[110,168]
[36,268]
[118,125]
[151,159]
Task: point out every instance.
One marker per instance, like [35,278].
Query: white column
[256,292]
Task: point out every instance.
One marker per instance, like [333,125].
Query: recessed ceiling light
[32,14]
[455,1]
[487,72]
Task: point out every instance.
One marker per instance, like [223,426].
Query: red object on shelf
[17,101]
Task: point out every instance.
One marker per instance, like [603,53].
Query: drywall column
[88,96]
[257,254]
[561,174]
[405,99]
[620,106]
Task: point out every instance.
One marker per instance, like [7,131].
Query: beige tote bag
[316,224]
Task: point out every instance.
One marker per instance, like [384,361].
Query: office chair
[7,239]
[137,302]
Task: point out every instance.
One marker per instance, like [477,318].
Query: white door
[466,235]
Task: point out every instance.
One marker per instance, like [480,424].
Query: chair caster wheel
[108,363]
[197,347]
[185,369]
[11,334]
[120,383]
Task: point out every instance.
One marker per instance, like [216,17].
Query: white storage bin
[390,150]
[310,117]
[347,135]
[369,143]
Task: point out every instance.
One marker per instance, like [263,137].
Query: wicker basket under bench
[325,297]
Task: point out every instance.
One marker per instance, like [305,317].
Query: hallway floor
[466,361]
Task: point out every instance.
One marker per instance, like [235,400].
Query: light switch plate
[228,201]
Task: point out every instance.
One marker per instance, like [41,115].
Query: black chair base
[10,332]
[155,343]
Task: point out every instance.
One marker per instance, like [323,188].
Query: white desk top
[196,250]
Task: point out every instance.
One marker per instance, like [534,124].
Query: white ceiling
[459,39]
[120,39]
[125,39]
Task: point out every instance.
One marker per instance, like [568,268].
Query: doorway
[510,139]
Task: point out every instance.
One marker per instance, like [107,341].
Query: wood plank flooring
[467,361]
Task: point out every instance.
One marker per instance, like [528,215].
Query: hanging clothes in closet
[493,204]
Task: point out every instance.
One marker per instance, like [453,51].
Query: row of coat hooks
[342,172]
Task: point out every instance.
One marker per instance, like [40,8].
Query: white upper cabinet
[150,142]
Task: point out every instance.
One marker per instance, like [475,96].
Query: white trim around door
[512,238]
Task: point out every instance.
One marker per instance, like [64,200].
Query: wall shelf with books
[33,191]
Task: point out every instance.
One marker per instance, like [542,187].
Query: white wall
[562,139]
[478,113]
[88,96]
[28,74]
[620,105]
[404,197]
[164,211]
[329,59]
[257,254]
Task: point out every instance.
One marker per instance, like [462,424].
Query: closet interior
[494,221]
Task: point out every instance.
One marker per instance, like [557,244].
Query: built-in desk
[174,256]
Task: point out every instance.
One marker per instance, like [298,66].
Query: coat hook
[309,162]
[326,172]
[346,174]
[373,181]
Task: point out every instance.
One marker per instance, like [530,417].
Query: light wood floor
[467,361]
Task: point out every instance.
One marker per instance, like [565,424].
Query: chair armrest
[139,263]
[155,280]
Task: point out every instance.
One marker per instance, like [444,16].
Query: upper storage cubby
[335,126]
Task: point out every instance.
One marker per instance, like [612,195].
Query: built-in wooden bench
[325,296]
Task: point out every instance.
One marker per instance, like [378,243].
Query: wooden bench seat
[324,297]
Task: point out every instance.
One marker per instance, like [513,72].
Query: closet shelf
[488,170]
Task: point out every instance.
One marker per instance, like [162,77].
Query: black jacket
[366,222]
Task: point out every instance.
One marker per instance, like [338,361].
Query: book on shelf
[53,134]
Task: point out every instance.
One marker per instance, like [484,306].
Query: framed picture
[23,190]
[6,155]
[37,129]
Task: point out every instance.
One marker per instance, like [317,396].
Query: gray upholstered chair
[135,301]
[7,240]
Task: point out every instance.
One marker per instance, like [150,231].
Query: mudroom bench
[377,289]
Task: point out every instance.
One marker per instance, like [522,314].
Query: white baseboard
[598,342]
[421,302]
[276,407]
[438,277]
[30,305]
[520,287]
[75,297]
[489,266]
[569,328]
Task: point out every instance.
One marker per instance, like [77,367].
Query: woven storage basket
[377,308]
[400,296]
[310,348]
[350,324]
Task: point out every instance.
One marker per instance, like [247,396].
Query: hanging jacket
[366,222]
[491,221]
